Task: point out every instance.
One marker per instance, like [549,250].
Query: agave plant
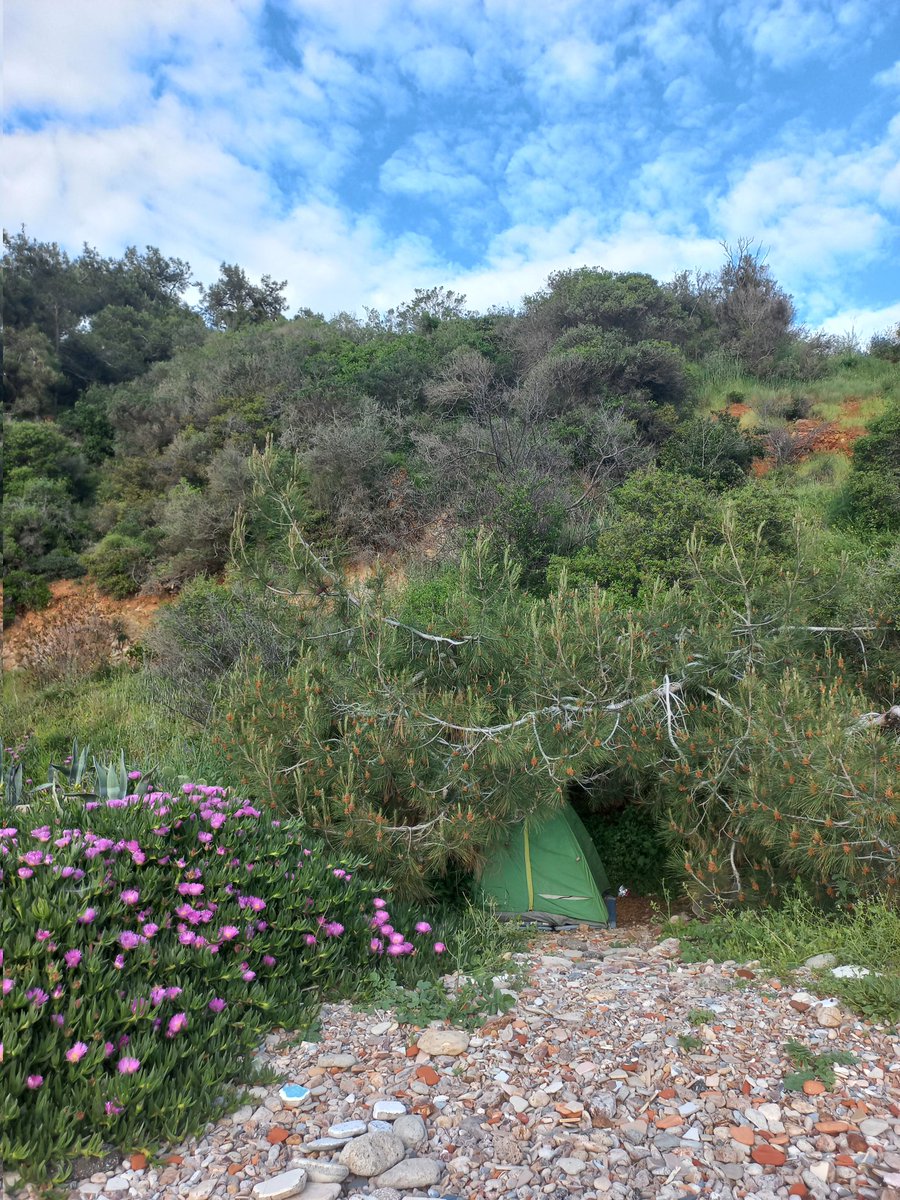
[70,775]
[112,782]
[12,778]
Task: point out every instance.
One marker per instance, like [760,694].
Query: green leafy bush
[150,942]
[633,848]
[119,564]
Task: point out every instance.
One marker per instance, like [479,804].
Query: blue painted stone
[293,1093]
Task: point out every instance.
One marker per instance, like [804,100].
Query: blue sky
[362,148]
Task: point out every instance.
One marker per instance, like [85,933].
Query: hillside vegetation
[632,543]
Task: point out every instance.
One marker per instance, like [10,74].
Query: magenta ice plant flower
[439,947]
[128,1066]
[77,1052]
[72,958]
[176,1024]
[87,916]
[34,1082]
[111,1109]
[130,896]
[216,1004]
[42,935]
[423,927]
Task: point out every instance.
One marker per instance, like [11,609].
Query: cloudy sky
[362,148]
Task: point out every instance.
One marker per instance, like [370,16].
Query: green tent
[549,871]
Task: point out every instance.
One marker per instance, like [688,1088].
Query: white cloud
[783,33]
[890,77]
[864,322]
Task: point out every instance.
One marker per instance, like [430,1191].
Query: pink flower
[42,935]
[72,958]
[439,947]
[108,1049]
[227,932]
[376,945]
[379,903]
[216,1004]
[176,1024]
[248,976]
[7,986]
[113,1110]
[268,960]
[333,929]
[34,1082]
[24,872]
[395,950]
[128,1066]
[87,916]
[130,896]
[134,775]
[37,996]
[77,1052]
[150,930]
[311,939]
[119,962]
[423,927]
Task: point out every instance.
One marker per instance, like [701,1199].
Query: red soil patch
[738,410]
[73,600]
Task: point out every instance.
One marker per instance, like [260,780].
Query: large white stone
[340,1061]
[322,1191]
[320,1170]
[280,1187]
[412,1173]
[372,1154]
[443,1041]
[411,1131]
[347,1129]
[388,1110]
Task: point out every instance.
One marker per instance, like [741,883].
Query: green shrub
[119,564]
[24,592]
[632,847]
[150,943]
[716,452]
[869,502]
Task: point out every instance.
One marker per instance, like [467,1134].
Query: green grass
[868,380]
[782,939]
[112,712]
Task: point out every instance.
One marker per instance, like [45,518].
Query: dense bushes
[138,932]
[423,742]
[870,499]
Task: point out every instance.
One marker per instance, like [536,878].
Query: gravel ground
[582,1090]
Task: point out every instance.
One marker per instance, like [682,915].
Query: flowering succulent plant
[149,944]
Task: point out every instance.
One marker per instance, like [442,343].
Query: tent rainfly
[549,871]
